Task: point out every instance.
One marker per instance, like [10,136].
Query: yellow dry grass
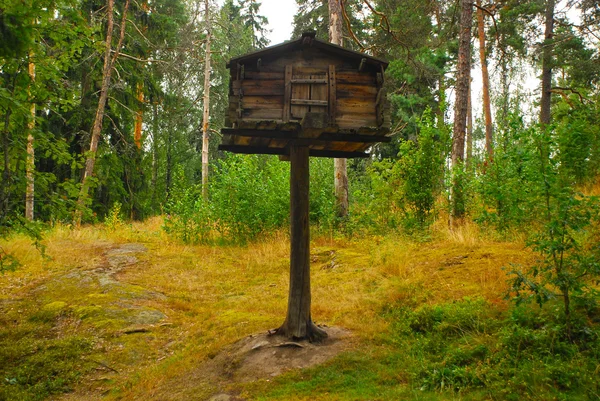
[213,296]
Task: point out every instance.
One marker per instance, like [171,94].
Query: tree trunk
[154,153]
[487,110]
[206,113]
[469,160]
[139,116]
[169,166]
[340,165]
[298,323]
[463,78]
[545,101]
[4,201]
[30,165]
[97,127]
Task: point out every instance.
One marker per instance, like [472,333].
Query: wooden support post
[298,323]
[362,64]
[287,96]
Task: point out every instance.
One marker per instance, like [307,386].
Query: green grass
[36,360]
[460,350]
[428,320]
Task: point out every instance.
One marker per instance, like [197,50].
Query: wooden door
[306,91]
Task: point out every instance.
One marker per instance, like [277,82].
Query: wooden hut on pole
[298,99]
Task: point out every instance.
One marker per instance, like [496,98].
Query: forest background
[106,109]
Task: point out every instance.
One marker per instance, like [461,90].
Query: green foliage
[8,262]
[249,195]
[466,347]
[509,189]
[404,192]
[113,220]
[421,168]
[569,265]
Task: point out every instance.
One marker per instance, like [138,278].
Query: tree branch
[139,60]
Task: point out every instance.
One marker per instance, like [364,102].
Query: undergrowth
[36,359]
[469,348]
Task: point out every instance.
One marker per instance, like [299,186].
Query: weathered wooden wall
[284,87]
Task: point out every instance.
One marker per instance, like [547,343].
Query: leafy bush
[470,345]
[403,192]
[113,220]
[248,195]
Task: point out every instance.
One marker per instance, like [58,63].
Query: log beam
[298,324]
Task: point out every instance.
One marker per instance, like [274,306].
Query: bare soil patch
[259,357]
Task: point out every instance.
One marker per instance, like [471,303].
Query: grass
[429,319]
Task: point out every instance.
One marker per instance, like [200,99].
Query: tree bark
[487,110]
[469,160]
[340,165]
[169,166]
[545,101]
[463,78]
[139,116]
[30,164]
[97,127]
[298,323]
[206,112]
[154,152]
[6,176]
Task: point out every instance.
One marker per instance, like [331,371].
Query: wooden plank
[307,102]
[250,150]
[314,81]
[356,91]
[273,134]
[287,94]
[380,106]
[356,108]
[354,121]
[318,94]
[332,94]
[355,78]
[284,151]
[263,113]
[260,142]
[241,141]
[346,146]
[308,69]
[332,137]
[273,87]
[264,76]
[300,91]
[337,154]
[323,136]
[257,102]
[255,83]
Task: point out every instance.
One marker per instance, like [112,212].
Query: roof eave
[322,44]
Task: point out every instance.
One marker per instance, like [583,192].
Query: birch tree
[109,63]
[206,112]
